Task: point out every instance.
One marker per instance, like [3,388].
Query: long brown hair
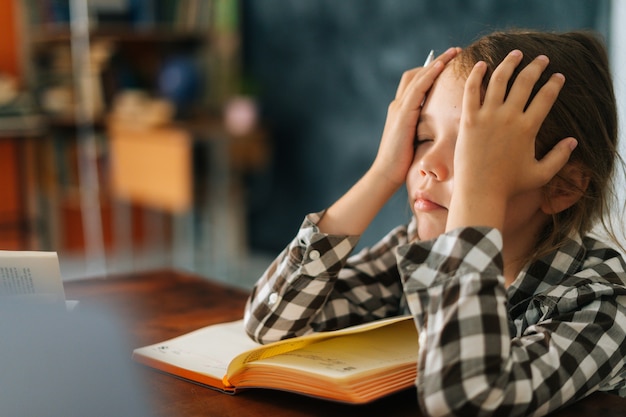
[585,109]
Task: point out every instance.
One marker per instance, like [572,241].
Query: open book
[354,365]
[32,276]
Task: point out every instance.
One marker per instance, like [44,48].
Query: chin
[429,231]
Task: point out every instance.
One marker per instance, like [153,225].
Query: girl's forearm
[355,210]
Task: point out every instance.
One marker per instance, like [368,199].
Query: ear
[565,189]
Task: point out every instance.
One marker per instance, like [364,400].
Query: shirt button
[314,255]
[272,298]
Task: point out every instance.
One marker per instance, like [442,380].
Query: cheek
[413,175]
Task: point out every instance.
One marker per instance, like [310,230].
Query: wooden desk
[163,304]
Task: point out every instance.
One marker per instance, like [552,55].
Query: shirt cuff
[320,253]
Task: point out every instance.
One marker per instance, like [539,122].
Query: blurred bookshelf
[96,68]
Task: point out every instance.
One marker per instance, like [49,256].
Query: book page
[31,275]
[288,345]
[220,356]
[352,355]
[206,351]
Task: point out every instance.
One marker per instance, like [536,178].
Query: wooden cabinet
[17,131]
[150,65]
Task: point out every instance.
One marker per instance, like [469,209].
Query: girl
[507,166]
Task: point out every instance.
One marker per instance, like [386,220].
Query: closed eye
[420,141]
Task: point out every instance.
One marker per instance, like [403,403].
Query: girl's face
[430,180]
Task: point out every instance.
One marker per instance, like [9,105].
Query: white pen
[430,57]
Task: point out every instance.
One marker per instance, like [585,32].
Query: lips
[424,203]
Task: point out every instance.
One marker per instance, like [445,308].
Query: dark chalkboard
[325,72]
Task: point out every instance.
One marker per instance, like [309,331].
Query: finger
[525,82]
[446,56]
[409,75]
[430,71]
[556,159]
[498,83]
[545,98]
[418,87]
[406,78]
[412,94]
[473,86]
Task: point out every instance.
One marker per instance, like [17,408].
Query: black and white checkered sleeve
[316,285]
[470,363]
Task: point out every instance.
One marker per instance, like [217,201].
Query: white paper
[31,275]
[208,350]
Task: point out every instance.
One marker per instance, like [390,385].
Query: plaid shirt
[557,334]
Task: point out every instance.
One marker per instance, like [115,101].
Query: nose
[436,164]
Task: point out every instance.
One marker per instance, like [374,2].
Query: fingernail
[516,53]
[573,144]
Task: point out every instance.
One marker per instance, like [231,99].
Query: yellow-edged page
[357,367]
[287,345]
[201,356]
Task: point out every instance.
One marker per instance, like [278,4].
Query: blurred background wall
[320,72]
[326,71]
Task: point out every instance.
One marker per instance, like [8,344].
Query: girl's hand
[396,150]
[495,150]
[355,210]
